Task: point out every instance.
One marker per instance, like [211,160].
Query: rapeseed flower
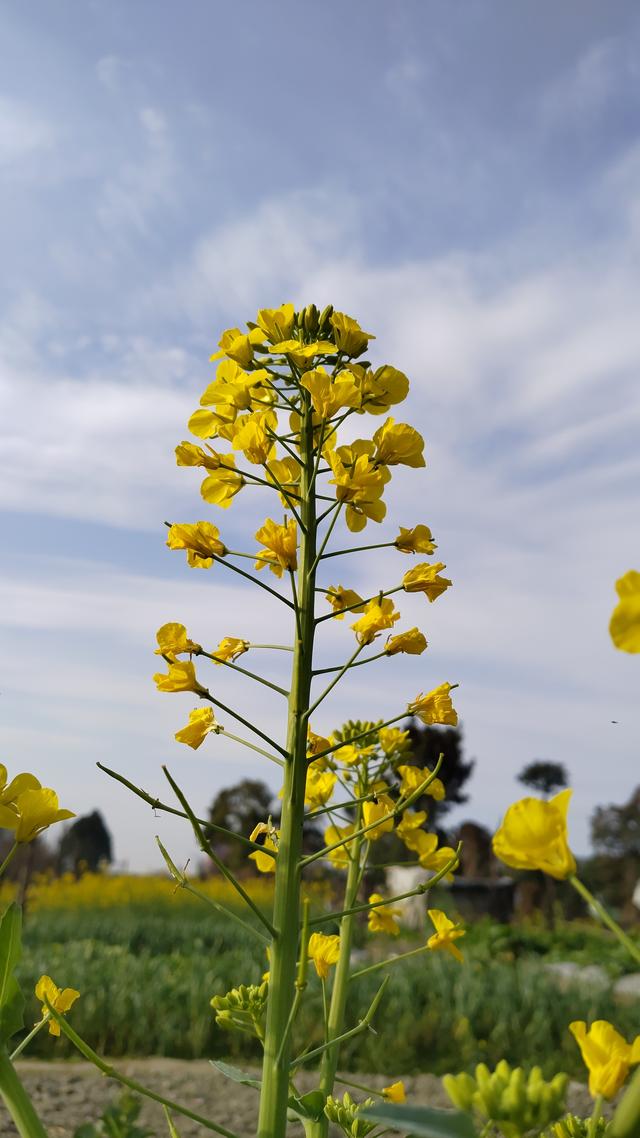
[393,740]
[412,642]
[238,346]
[172,640]
[398,444]
[409,829]
[180,677]
[382,808]
[31,812]
[280,541]
[533,835]
[424,578]
[377,615]
[382,919]
[606,1054]
[222,485]
[395,1093]
[339,857]
[324,951]
[276,323]
[229,648]
[61,1000]
[416,540]
[413,777]
[264,862]
[201,541]
[330,395]
[624,626]
[9,791]
[445,935]
[349,336]
[430,855]
[319,786]
[435,706]
[381,388]
[202,722]
[340,598]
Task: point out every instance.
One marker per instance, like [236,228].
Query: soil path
[67,1094]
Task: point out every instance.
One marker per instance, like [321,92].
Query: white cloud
[24,132]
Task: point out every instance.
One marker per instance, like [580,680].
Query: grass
[148,968]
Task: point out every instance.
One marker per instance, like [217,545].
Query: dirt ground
[69,1093]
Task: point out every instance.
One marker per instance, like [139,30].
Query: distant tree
[615,833]
[239,808]
[427,743]
[86,845]
[544,776]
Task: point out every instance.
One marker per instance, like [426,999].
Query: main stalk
[286,907]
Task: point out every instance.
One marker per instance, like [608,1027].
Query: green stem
[252,747]
[350,608]
[27,1039]
[243,671]
[369,660]
[278,647]
[206,848]
[362,735]
[595,1116]
[327,535]
[125,1081]
[606,918]
[249,577]
[17,1101]
[357,549]
[388,962]
[331,1048]
[626,1120]
[156,804]
[204,694]
[286,906]
[183,882]
[9,858]
[335,680]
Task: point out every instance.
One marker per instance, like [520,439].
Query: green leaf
[309,1106]
[421,1121]
[235,1074]
[11,999]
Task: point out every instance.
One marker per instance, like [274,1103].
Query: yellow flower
[625,622]
[229,648]
[316,744]
[446,933]
[188,454]
[416,540]
[222,485]
[180,677]
[606,1054]
[360,484]
[265,863]
[201,541]
[172,640]
[280,543]
[206,424]
[60,999]
[285,472]
[339,857]
[330,395]
[533,835]
[413,777]
[341,598]
[382,919]
[435,706]
[381,806]
[378,614]
[395,1093]
[9,791]
[302,354]
[276,323]
[201,723]
[412,642]
[324,951]
[393,740]
[381,388]
[319,786]
[430,855]
[398,443]
[423,578]
[409,829]
[238,346]
[349,336]
[31,812]
[252,436]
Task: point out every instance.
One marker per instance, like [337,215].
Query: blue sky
[463,178]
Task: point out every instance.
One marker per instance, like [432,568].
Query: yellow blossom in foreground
[412,642]
[9,791]
[319,786]
[201,541]
[324,951]
[316,744]
[381,388]
[229,648]
[446,933]
[398,443]
[625,621]
[180,677]
[252,435]
[413,777]
[435,706]
[202,722]
[395,1093]
[222,485]
[377,615]
[280,541]
[424,578]
[416,540]
[379,808]
[431,856]
[351,753]
[533,835]
[238,346]
[606,1054]
[188,454]
[409,829]
[382,919]
[360,484]
[276,323]
[330,395]
[31,812]
[60,999]
[265,863]
[302,354]
[339,857]
[349,336]
[341,598]
[172,640]
[393,740]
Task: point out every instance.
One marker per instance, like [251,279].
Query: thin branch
[243,671]
[252,746]
[156,804]
[362,735]
[327,535]
[204,694]
[183,882]
[362,1026]
[335,680]
[338,668]
[206,848]
[350,608]
[358,549]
